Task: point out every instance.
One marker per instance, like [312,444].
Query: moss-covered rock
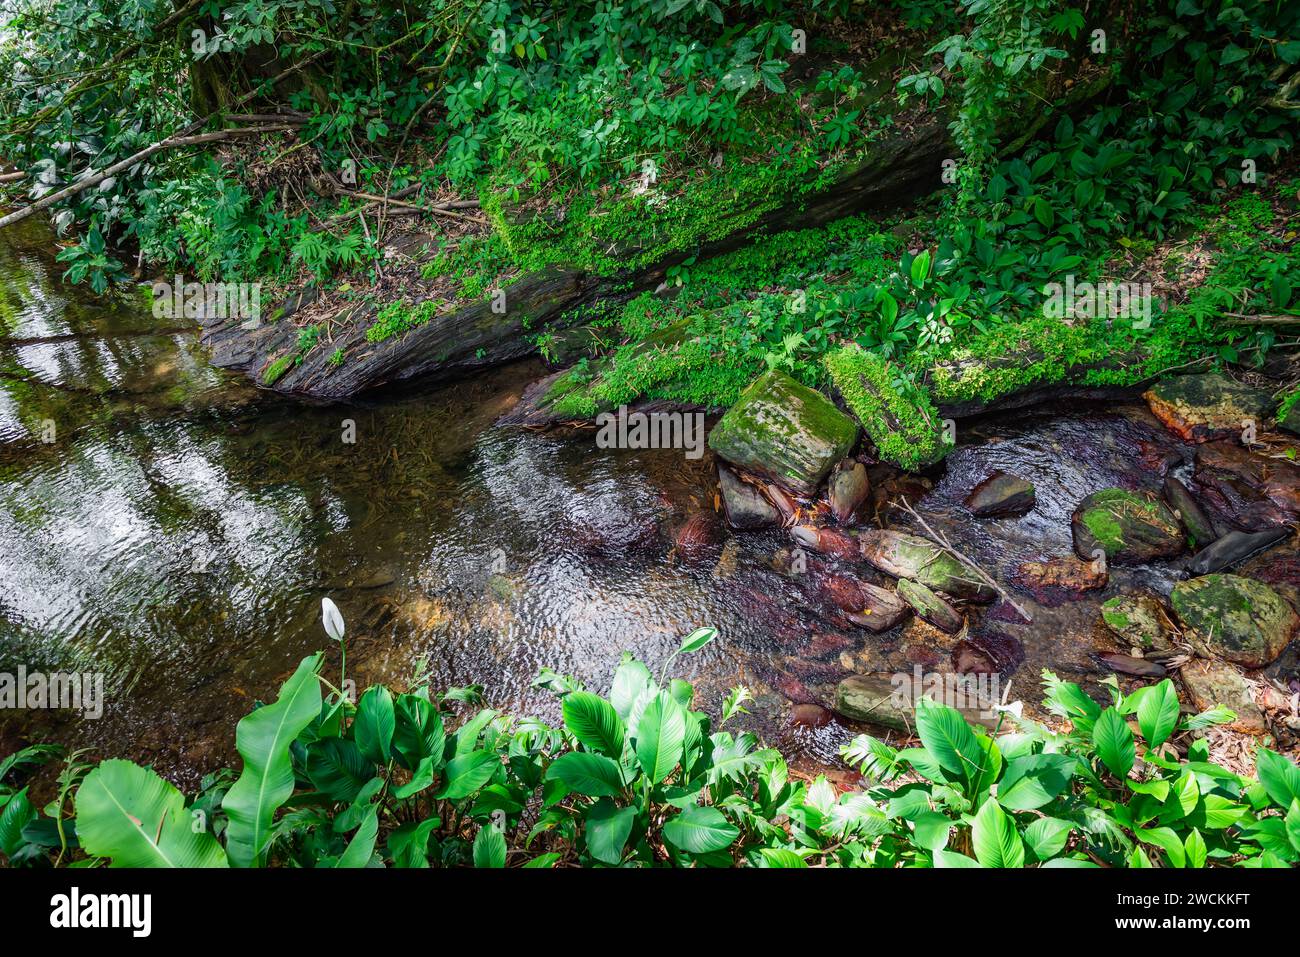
[897,414]
[1235,618]
[930,607]
[1129,527]
[785,432]
[911,557]
[1207,406]
[1139,621]
[1213,683]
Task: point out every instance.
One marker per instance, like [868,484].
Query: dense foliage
[642,778]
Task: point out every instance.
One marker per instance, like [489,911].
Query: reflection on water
[179,533]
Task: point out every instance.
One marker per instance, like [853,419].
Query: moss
[276,370]
[897,414]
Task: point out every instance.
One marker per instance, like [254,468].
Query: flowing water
[171,527]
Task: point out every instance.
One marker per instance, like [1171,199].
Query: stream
[179,531]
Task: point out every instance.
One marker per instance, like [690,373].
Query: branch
[95,179]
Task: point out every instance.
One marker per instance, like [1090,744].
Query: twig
[95,179]
[435,210]
[940,540]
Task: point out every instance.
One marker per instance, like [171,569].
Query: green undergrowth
[896,413]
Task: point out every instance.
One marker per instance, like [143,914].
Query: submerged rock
[870,606]
[1199,528]
[930,607]
[1139,621]
[1209,406]
[1128,665]
[901,555]
[827,541]
[1234,548]
[1060,579]
[1249,491]
[1212,683]
[745,506]
[889,700]
[1239,619]
[810,716]
[1000,495]
[847,490]
[785,432]
[1129,527]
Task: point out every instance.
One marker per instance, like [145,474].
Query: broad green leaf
[543,860]
[697,639]
[944,858]
[421,778]
[134,818]
[466,774]
[362,846]
[1167,840]
[700,830]
[18,812]
[1047,837]
[781,857]
[1034,780]
[408,845]
[1195,847]
[659,737]
[930,830]
[631,678]
[337,768]
[607,830]
[593,775]
[419,732]
[266,781]
[947,736]
[994,838]
[1280,777]
[489,848]
[1157,714]
[1114,743]
[594,722]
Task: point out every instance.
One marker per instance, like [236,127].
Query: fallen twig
[939,539]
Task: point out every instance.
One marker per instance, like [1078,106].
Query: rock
[1006,653]
[870,606]
[827,542]
[1139,621]
[1211,683]
[1239,619]
[1288,416]
[847,490]
[909,556]
[1209,406]
[1249,491]
[968,658]
[810,716]
[1234,548]
[1061,579]
[1000,495]
[1200,530]
[785,432]
[1131,528]
[1128,665]
[745,507]
[888,700]
[930,606]
[698,536]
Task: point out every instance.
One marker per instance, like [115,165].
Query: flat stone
[1199,528]
[1212,683]
[911,557]
[930,607]
[785,432]
[847,490]
[1060,579]
[1235,618]
[889,700]
[1129,527]
[1207,406]
[1000,495]
[1139,621]
[745,507]
[1234,548]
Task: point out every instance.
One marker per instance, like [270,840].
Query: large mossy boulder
[1207,406]
[1129,527]
[1234,618]
[917,559]
[898,415]
[785,432]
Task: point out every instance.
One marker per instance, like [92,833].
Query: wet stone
[1000,495]
[1209,406]
[1213,683]
[930,607]
[745,507]
[847,491]
[1131,528]
[1234,618]
[1200,530]
[901,555]
[1139,621]
[1234,548]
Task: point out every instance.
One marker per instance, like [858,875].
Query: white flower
[1016,708]
[332,618]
